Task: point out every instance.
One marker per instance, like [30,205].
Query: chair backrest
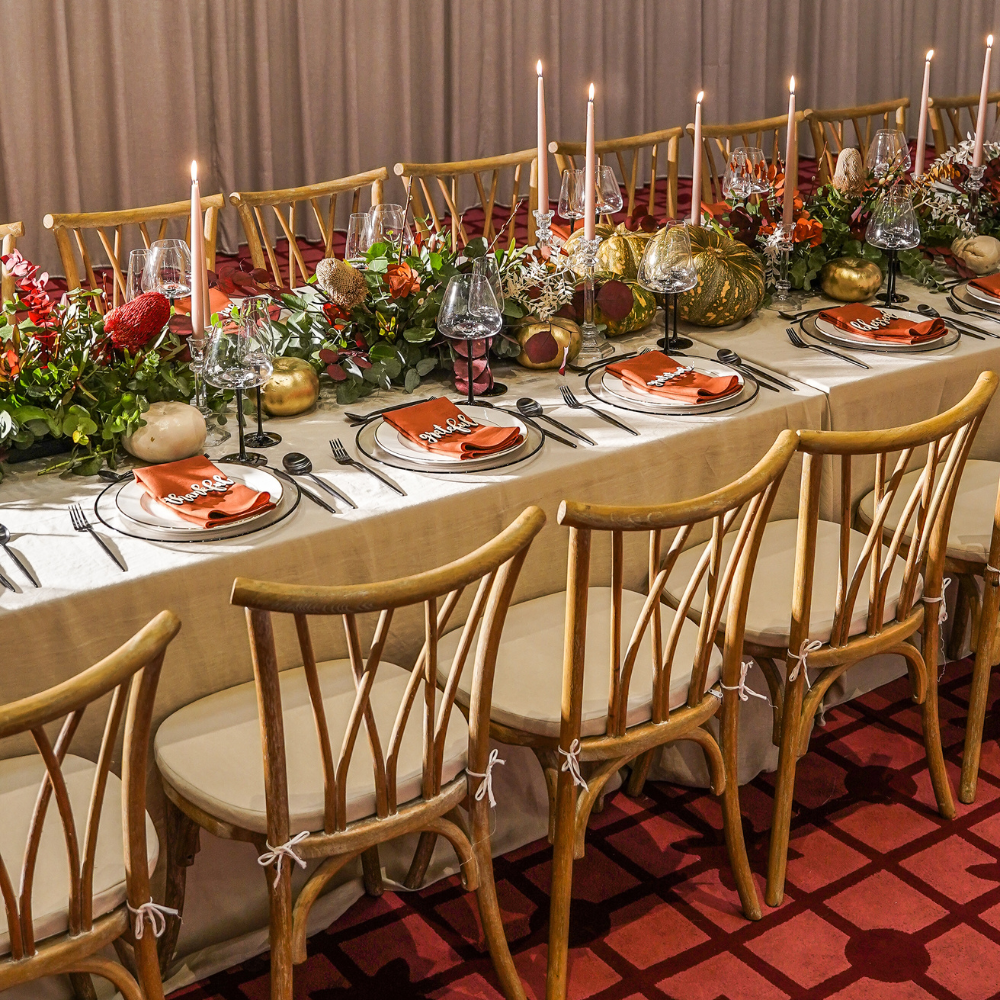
[253,206]
[9,232]
[946,118]
[158,216]
[752,496]
[443,205]
[130,674]
[830,133]
[718,141]
[922,528]
[566,154]
[495,566]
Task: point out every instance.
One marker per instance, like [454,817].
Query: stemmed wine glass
[571,196]
[237,357]
[357,239]
[470,312]
[387,224]
[255,312]
[136,268]
[888,151]
[667,267]
[746,174]
[608,192]
[488,268]
[893,227]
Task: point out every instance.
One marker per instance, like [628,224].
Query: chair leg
[550,768]
[640,770]
[932,726]
[421,859]
[561,890]
[784,793]
[83,986]
[183,843]
[960,619]
[489,906]
[979,694]
[371,870]
[280,895]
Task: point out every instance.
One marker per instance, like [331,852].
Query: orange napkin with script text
[867,321]
[440,426]
[653,373]
[990,284]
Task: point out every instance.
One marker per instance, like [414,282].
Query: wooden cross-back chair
[856,594]
[616,150]
[348,754]
[718,142]
[85,859]
[444,205]
[253,206]
[9,233]
[946,116]
[830,132]
[152,223]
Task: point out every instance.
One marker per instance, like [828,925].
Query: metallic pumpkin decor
[292,388]
[850,279]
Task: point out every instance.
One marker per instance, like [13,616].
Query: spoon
[4,539]
[927,310]
[297,464]
[529,407]
[731,358]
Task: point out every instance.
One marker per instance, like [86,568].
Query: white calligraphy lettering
[463,425]
[217,484]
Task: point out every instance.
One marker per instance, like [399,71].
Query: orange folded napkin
[867,321]
[217,301]
[440,426]
[990,284]
[653,373]
[197,491]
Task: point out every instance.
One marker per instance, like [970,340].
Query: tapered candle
[977,153]
[543,152]
[918,166]
[696,167]
[199,276]
[791,159]
[590,174]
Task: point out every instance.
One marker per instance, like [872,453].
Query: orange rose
[402,280]
[808,230]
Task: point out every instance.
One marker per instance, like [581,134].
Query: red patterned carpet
[885,901]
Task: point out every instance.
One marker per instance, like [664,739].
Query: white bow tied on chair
[745,692]
[155,914]
[940,599]
[805,648]
[572,764]
[273,855]
[486,785]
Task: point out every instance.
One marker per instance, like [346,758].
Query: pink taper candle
[543,151]
[590,174]
[977,154]
[199,276]
[791,160]
[696,167]
[918,166]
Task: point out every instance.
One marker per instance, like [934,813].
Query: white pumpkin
[981,254]
[172,431]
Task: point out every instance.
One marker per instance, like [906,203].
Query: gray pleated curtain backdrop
[105,102]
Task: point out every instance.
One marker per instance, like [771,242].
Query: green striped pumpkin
[730,279]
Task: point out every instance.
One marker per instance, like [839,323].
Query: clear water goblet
[470,312]
[893,227]
[667,266]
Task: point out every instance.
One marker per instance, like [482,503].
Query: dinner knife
[318,500]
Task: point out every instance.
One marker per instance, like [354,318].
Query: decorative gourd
[730,279]
[551,337]
[641,314]
[292,388]
[172,431]
[981,254]
[619,253]
[850,279]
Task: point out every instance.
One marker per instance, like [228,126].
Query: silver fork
[797,341]
[341,457]
[80,523]
[574,404]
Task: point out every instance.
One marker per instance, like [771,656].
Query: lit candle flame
[791,85]
[989,41]
[591,91]
[538,67]
[700,97]
[930,54]
[194,170]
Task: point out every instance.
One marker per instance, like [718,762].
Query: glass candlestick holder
[973,186]
[543,232]
[595,345]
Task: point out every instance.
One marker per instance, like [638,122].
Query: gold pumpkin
[292,388]
[730,279]
[850,279]
[565,332]
[642,314]
[619,253]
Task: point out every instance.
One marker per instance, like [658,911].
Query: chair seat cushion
[210,750]
[769,611]
[527,686]
[20,779]
[972,520]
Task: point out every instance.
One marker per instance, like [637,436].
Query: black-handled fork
[797,341]
[574,404]
[80,523]
[318,500]
[341,457]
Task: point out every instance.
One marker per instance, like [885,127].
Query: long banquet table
[86,606]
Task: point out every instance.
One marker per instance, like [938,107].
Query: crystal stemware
[387,224]
[357,239]
[470,312]
[746,174]
[608,191]
[237,357]
[571,196]
[488,267]
[667,266]
[893,227]
[888,151]
[168,269]
[256,312]
[133,278]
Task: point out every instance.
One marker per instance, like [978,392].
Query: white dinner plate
[988,300]
[715,369]
[834,333]
[137,506]
[391,441]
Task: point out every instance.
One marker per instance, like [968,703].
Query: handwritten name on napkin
[217,484]
[460,425]
[664,377]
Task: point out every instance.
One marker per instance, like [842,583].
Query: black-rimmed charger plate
[808,326]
